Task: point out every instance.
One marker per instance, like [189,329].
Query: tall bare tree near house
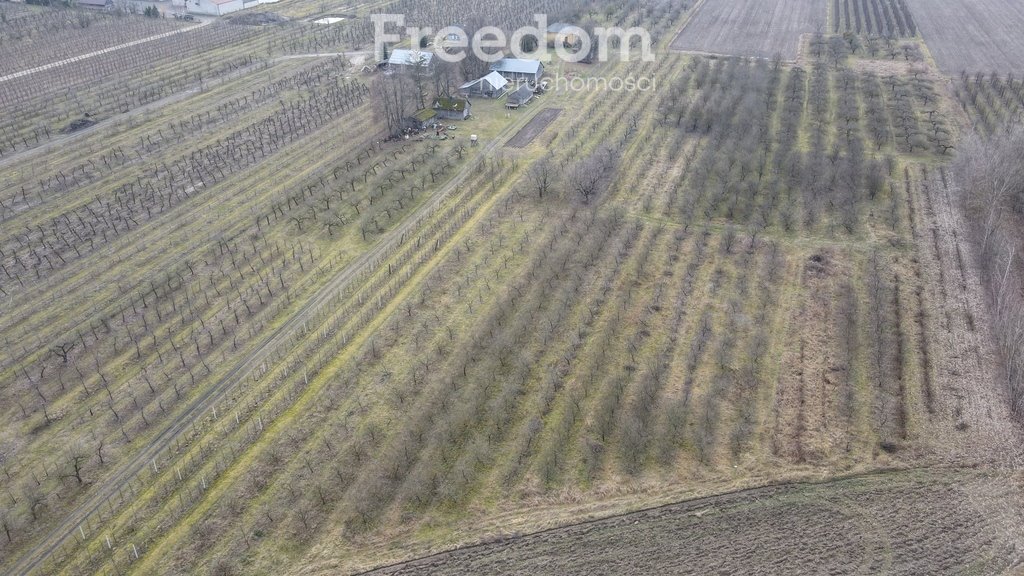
[419,75]
[392,99]
[445,76]
[591,51]
[472,66]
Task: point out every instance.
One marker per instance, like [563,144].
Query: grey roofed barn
[521,96]
[519,69]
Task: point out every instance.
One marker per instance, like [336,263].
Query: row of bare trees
[52,35]
[995,103]
[37,252]
[107,161]
[120,80]
[885,18]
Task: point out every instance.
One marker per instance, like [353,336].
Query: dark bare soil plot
[894,523]
[973,35]
[533,129]
[761,28]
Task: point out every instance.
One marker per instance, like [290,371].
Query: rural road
[51,65]
[55,538]
[355,58]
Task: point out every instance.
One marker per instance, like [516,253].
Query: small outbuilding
[490,86]
[421,119]
[562,34]
[452,108]
[521,96]
[519,69]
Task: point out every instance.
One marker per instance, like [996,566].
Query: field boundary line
[686,22]
[697,500]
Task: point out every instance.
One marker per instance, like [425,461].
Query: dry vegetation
[989,174]
[244,332]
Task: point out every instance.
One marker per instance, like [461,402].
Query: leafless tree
[543,175]
[593,174]
[393,98]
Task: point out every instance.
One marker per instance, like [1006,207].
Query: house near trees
[519,69]
[490,86]
[421,119]
[452,108]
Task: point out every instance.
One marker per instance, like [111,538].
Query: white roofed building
[411,58]
[217,7]
[518,69]
[490,86]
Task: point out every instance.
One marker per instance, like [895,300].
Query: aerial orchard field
[34,38]
[993,102]
[250,329]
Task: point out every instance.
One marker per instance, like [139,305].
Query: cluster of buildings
[515,79]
